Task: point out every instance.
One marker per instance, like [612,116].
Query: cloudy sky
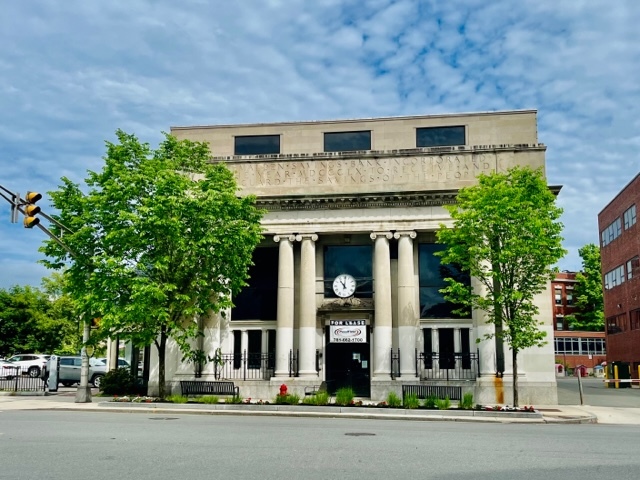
[73,71]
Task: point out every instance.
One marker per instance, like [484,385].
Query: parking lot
[595,393]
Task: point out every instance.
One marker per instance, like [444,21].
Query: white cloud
[73,72]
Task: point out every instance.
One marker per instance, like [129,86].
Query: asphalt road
[595,393]
[99,445]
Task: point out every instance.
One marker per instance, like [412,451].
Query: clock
[344,285]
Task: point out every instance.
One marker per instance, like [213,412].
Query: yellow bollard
[615,375]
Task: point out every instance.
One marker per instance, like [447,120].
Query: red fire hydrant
[283,390]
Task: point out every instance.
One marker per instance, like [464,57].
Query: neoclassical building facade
[345,287]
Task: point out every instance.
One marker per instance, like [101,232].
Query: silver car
[69,371]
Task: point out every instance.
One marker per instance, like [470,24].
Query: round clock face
[344,285]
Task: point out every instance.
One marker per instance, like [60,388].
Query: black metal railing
[244,366]
[395,364]
[447,366]
[15,379]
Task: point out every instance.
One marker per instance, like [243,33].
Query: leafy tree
[160,239]
[588,297]
[506,235]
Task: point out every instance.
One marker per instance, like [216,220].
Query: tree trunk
[161,364]
[515,377]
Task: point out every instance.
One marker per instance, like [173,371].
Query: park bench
[440,391]
[203,387]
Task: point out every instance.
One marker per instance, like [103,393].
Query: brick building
[573,347]
[620,250]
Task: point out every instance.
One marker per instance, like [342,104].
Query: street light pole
[83,394]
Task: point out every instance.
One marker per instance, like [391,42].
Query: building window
[558,298]
[347,141]
[440,136]
[635,319]
[431,277]
[616,324]
[559,323]
[612,232]
[258,300]
[569,299]
[632,268]
[257,145]
[629,217]
[355,260]
[579,346]
[614,277]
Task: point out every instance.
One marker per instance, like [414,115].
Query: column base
[83,394]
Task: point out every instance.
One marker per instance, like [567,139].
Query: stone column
[407,311]
[307,332]
[284,318]
[486,348]
[457,349]
[383,338]
[435,340]
[244,342]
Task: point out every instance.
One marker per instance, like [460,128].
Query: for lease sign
[348,331]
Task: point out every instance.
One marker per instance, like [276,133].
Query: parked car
[8,370]
[122,363]
[30,363]
[69,371]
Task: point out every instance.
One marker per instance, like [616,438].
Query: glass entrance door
[348,365]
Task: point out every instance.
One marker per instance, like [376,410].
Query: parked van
[69,371]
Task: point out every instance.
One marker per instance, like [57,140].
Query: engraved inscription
[433,168]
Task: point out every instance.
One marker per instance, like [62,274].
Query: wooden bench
[203,387]
[439,391]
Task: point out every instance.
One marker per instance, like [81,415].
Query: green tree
[506,235]
[588,298]
[159,240]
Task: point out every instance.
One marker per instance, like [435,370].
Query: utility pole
[29,209]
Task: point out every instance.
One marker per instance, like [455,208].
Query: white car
[30,363]
[122,363]
[8,370]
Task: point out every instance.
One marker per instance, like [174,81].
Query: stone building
[345,286]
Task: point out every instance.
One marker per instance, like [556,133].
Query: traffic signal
[31,209]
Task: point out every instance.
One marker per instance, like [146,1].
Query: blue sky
[73,71]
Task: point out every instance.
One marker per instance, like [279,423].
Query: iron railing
[15,379]
[244,366]
[447,366]
[395,364]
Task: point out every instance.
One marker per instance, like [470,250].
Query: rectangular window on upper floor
[440,136]
[633,268]
[629,216]
[614,277]
[347,141]
[257,145]
[612,232]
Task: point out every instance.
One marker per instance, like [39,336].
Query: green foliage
[177,399]
[160,239]
[345,396]
[208,399]
[443,403]
[288,399]
[430,401]
[393,400]
[118,382]
[467,401]
[320,398]
[38,321]
[233,400]
[506,235]
[411,401]
[587,293]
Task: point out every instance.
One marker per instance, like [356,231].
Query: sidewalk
[546,413]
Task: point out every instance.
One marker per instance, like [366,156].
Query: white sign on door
[348,331]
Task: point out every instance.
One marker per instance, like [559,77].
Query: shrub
[467,401]
[320,398]
[430,401]
[443,403]
[288,399]
[233,400]
[344,396]
[118,382]
[177,399]
[394,400]
[411,401]
[209,399]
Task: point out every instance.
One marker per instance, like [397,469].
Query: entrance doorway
[347,365]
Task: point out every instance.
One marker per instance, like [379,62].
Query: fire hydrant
[283,390]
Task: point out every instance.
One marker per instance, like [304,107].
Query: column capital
[284,236]
[311,236]
[408,233]
[374,235]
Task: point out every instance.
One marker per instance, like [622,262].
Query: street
[56,445]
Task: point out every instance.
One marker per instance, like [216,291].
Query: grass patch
[208,399]
[443,403]
[234,400]
[288,399]
[467,401]
[345,396]
[177,399]
[411,401]
[430,401]
[320,398]
[393,400]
